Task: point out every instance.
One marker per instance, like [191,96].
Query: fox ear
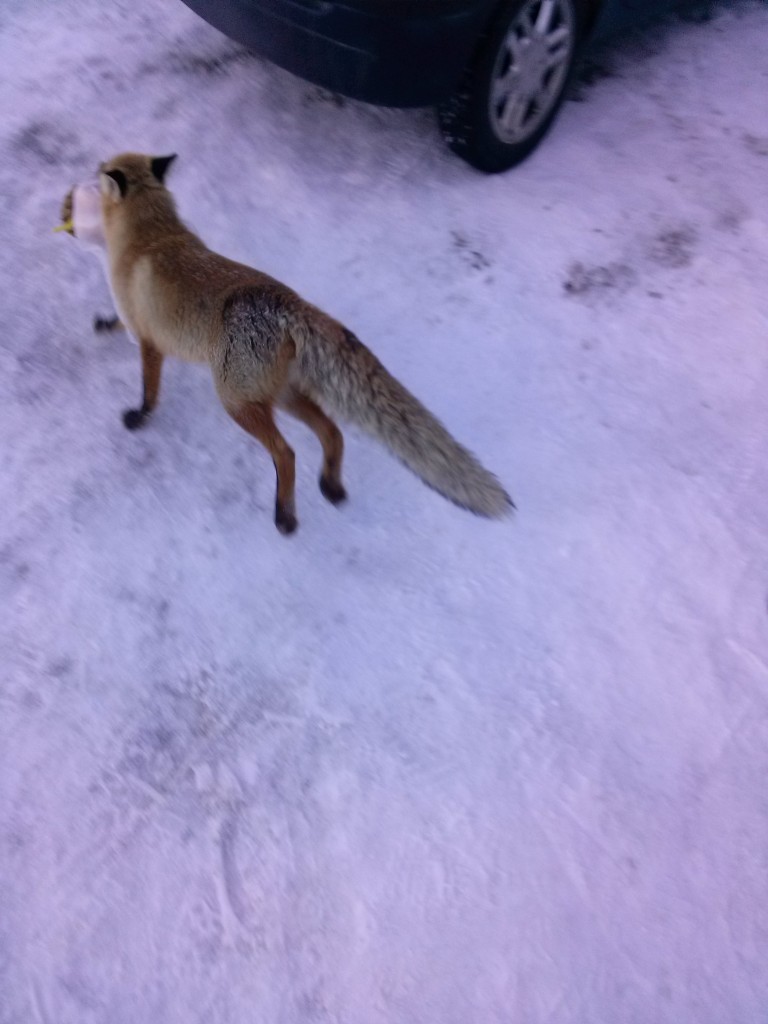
[114,184]
[160,164]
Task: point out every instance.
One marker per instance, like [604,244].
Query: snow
[406,766]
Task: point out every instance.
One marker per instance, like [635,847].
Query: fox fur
[266,346]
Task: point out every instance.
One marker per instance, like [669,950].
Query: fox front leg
[151,365]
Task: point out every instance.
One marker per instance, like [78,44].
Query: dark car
[497,70]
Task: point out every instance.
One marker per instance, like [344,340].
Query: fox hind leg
[330,437]
[256,418]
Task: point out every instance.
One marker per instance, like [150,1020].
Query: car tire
[514,86]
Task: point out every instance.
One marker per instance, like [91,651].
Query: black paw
[103,324]
[332,490]
[285,521]
[135,418]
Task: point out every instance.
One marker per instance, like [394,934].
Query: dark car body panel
[618,14]
[393,53]
[399,53]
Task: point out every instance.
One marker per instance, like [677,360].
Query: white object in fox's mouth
[87,222]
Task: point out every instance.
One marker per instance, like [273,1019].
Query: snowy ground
[407,766]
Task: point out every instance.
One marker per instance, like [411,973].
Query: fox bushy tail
[346,378]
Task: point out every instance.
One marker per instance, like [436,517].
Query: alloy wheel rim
[531,68]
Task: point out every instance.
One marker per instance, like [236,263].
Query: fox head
[134,197]
[130,173]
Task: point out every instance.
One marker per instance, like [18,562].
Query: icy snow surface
[407,766]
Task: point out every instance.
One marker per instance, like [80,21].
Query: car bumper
[397,53]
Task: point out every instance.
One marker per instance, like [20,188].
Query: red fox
[266,346]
